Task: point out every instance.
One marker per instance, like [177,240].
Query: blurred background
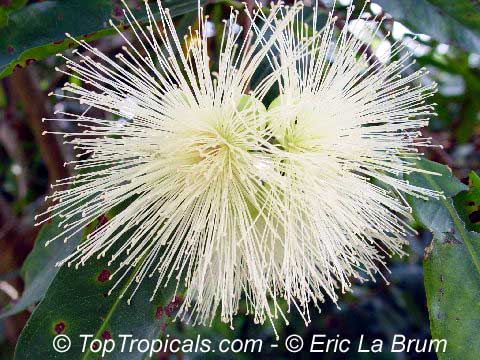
[447,44]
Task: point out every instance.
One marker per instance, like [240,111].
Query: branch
[25,87]
[10,139]
[437,153]
[17,235]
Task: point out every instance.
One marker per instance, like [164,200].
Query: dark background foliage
[31,32]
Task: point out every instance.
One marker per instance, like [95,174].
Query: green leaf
[451,22]
[39,269]
[433,214]
[38,30]
[468,203]
[451,265]
[466,12]
[452,282]
[77,303]
[6,7]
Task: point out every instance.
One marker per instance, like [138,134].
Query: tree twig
[10,140]
[25,87]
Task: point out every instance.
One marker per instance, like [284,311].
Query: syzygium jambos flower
[187,156]
[225,198]
[348,127]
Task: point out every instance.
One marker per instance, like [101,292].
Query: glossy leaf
[38,30]
[77,303]
[431,213]
[468,203]
[451,265]
[466,12]
[451,22]
[6,7]
[39,269]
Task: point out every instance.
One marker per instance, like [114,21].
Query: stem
[25,87]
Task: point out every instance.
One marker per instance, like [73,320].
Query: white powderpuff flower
[225,198]
[347,128]
[187,157]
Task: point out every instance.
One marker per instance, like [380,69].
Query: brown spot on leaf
[159,313]
[104,275]
[29,61]
[59,327]
[450,238]
[471,203]
[58,42]
[106,335]
[102,220]
[117,11]
[170,308]
[474,216]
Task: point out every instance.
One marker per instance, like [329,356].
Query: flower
[224,197]
[348,127]
[186,155]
